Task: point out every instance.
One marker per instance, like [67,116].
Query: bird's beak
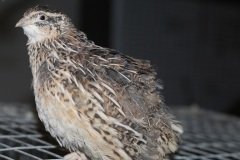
[22,22]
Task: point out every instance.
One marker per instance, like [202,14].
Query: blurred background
[193,44]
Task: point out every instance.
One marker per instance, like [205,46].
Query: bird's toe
[75,156]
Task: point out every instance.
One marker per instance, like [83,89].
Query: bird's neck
[53,50]
[37,56]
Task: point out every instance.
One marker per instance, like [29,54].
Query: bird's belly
[71,131]
[67,122]
[61,122]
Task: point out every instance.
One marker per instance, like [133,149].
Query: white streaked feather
[124,77]
[55,55]
[119,108]
[139,135]
[67,47]
[108,88]
[96,85]
[90,72]
[95,94]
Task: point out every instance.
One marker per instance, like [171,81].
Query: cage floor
[208,136]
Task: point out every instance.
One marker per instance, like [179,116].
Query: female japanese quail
[97,102]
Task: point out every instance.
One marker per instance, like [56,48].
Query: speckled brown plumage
[97,102]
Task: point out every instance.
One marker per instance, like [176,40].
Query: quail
[96,102]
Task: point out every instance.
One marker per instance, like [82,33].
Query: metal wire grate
[208,136]
[20,137]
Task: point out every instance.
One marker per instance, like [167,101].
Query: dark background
[193,44]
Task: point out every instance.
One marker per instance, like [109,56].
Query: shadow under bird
[97,102]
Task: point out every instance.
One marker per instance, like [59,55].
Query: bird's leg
[75,156]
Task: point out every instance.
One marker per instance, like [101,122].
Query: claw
[75,156]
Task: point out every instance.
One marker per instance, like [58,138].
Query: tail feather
[163,138]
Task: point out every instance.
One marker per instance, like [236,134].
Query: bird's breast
[67,122]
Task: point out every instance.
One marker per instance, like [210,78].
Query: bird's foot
[75,156]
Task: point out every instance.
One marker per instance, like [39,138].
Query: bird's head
[40,23]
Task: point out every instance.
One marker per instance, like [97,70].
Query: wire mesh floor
[208,136]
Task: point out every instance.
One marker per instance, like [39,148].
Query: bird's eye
[42,17]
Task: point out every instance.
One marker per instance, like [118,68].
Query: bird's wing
[121,93]
[121,84]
